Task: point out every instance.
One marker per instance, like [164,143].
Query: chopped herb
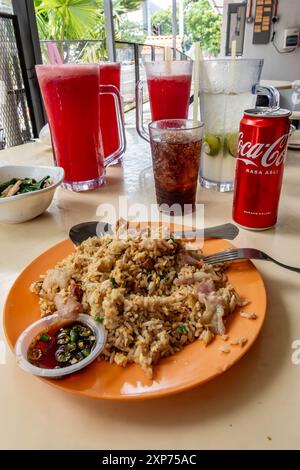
[62,355]
[164,276]
[98,319]
[73,336]
[45,338]
[85,332]
[85,352]
[71,346]
[181,329]
[173,239]
[114,282]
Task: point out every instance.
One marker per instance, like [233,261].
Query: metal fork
[244,253]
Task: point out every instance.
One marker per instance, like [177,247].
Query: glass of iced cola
[176,149]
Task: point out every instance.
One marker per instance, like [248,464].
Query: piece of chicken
[68,309]
[189,258]
[191,279]
[12,189]
[57,277]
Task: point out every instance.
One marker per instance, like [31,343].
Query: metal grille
[15,124]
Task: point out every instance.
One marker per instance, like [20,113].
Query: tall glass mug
[227,88]
[71,94]
[110,74]
[169,85]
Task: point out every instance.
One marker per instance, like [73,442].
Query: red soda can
[261,152]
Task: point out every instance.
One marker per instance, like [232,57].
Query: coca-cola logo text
[269,154]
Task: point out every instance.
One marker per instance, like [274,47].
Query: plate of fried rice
[173,322]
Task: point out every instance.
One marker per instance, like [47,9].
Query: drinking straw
[198,55]
[233,50]
[168,54]
[54,55]
[168,60]
[232,76]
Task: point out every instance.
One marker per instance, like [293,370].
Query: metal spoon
[80,232]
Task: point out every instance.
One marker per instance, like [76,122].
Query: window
[236,18]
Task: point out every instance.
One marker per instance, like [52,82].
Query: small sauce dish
[53,347]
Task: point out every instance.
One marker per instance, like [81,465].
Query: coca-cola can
[261,154]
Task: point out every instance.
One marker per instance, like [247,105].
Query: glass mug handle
[270,92]
[139,112]
[292,129]
[112,90]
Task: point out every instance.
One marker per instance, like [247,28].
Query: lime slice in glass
[232,143]
[213,144]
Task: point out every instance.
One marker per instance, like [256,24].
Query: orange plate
[192,366]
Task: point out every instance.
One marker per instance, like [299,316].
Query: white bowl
[22,207]
[25,339]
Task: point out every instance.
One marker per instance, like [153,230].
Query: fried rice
[153,296]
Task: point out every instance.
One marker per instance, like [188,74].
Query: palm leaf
[69,19]
[77,19]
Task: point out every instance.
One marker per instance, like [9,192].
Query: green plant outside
[201,24]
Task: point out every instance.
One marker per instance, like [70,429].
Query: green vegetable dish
[23,185]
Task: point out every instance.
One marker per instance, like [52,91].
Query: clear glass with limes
[227,88]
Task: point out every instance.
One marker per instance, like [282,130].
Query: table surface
[279,84]
[295,115]
[253,405]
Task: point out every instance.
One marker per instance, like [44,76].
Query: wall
[276,66]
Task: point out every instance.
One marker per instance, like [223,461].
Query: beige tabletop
[255,404]
[295,115]
[279,84]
